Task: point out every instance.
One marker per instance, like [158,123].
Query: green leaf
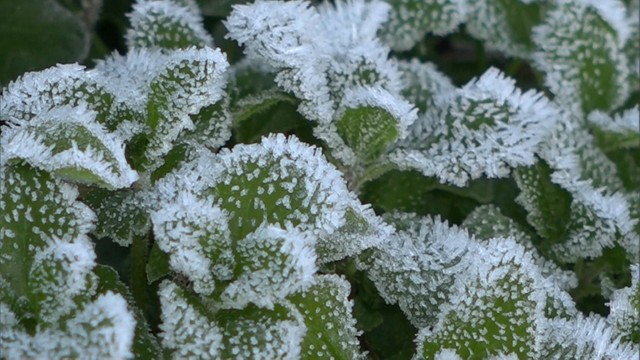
[120,215]
[326,309]
[547,204]
[166,24]
[219,8]
[157,265]
[410,20]
[37,211]
[68,142]
[35,34]
[504,25]
[368,131]
[261,333]
[579,49]
[145,345]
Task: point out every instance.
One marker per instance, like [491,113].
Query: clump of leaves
[331,194]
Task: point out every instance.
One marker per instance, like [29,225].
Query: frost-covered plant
[331,194]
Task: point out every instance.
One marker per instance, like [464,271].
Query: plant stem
[138,279]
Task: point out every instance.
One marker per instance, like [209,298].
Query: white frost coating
[317,185]
[486,222]
[584,338]
[624,316]
[184,329]
[103,156]
[417,266]
[110,327]
[37,92]
[179,93]
[411,20]
[485,128]
[150,21]
[600,211]
[497,299]
[572,37]
[446,354]
[318,53]
[288,36]
[59,274]
[195,235]
[273,264]
[625,123]
[104,329]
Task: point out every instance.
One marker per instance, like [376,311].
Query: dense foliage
[452,179]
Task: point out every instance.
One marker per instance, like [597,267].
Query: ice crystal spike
[486,222]
[186,82]
[187,331]
[485,128]
[68,142]
[505,25]
[417,266]
[166,24]
[102,329]
[272,263]
[584,338]
[580,51]
[49,206]
[625,310]
[331,329]
[496,307]
[195,235]
[410,20]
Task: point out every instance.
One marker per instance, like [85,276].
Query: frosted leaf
[103,329]
[68,142]
[280,181]
[61,280]
[423,83]
[195,235]
[486,222]
[632,47]
[187,330]
[145,345]
[38,211]
[331,328]
[271,264]
[485,128]
[255,333]
[624,316]
[212,127]
[579,49]
[36,93]
[619,131]
[166,24]
[361,230]
[317,53]
[410,20]
[120,215]
[189,81]
[496,306]
[584,338]
[252,89]
[372,119]
[417,266]
[288,36]
[594,214]
[505,25]
[631,243]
